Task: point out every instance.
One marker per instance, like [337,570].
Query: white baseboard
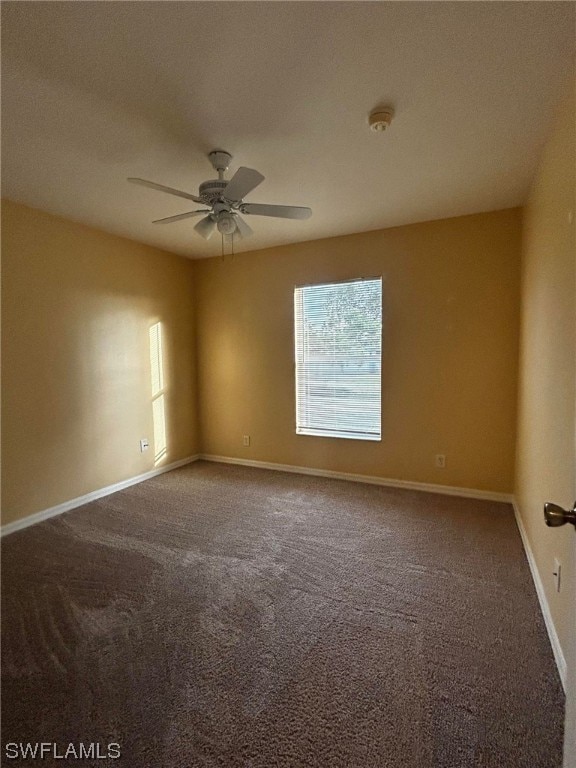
[447,490]
[45,514]
[544,607]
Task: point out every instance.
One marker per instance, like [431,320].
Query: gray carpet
[227,616]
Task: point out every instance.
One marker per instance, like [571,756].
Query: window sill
[342,435]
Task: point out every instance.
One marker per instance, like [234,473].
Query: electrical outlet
[440,461]
[557,573]
[246,441]
[144,444]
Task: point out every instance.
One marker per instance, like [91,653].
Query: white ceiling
[94,92]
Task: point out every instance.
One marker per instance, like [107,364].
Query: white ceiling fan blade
[162,188]
[280,211]
[206,227]
[242,228]
[243,181]
[179,217]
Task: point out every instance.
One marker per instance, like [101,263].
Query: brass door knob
[555,515]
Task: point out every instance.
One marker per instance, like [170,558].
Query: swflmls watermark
[44,750]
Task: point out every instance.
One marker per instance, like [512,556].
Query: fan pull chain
[230,239]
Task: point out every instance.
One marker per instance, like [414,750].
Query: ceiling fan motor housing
[210,191]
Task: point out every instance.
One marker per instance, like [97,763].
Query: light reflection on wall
[158,399]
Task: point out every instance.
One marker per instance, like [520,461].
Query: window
[338,345]
[158,399]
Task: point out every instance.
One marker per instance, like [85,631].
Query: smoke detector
[380,118]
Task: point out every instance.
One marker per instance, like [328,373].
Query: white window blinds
[338,344]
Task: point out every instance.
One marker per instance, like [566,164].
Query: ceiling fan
[225,201]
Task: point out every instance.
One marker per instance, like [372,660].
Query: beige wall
[77,305]
[451,303]
[546,466]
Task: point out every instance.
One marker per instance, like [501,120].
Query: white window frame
[304,417]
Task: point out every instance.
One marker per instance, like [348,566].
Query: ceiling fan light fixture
[226,223]
[380,118]
[206,227]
